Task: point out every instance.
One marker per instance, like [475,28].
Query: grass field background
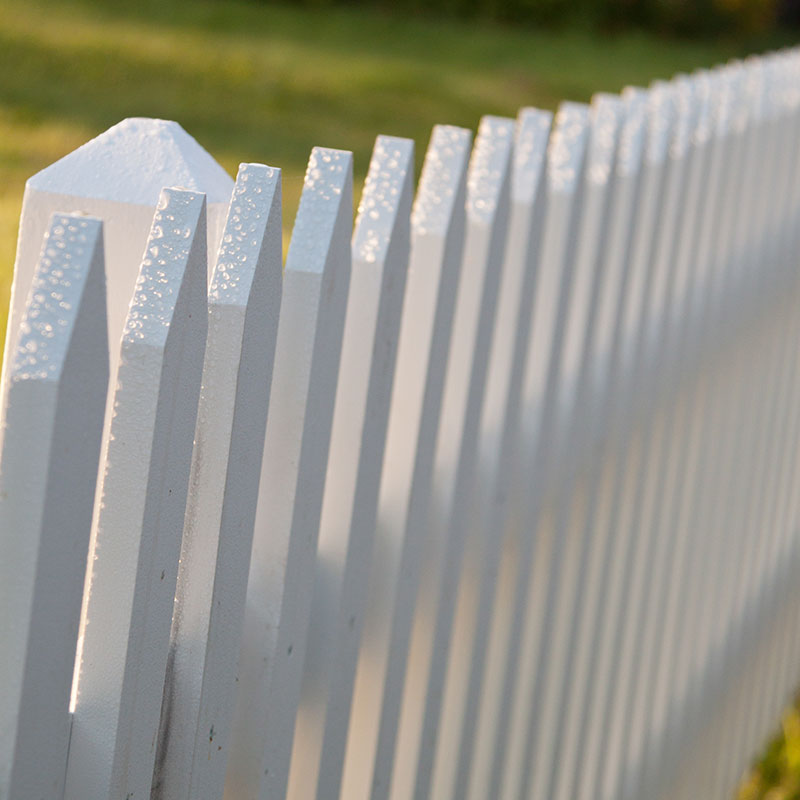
[255,82]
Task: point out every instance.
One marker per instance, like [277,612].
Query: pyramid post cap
[132,162]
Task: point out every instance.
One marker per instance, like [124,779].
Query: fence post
[49,451]
[133,567]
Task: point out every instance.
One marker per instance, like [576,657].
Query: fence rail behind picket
[491,494]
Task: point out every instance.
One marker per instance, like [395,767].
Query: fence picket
[133,567]
[752,96]
[651,453]
[625,314]
[705,429]
[49,451]
[656,600]
[600,366]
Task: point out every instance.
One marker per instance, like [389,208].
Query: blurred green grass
[256,82]
[776,775]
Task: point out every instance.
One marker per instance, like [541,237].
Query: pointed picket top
[437,222]
[773,84]
[727,81]
[662,107]
[566,151]
[438,186]
[606,114]
[499,420]
[378,210]
[741,114]
[488,165]
[530,147]
[686,104]
[329,175]
[623,282]
[754,83]
[71,252]
[487,212]
[254,207]
[173,238]
[792,66]
[707,94]
[132,162]
[634,130]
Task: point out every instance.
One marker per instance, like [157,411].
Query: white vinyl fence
[493,495]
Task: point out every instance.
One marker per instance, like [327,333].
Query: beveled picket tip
[71,257]
[379,211]
[438,186]
[566,150]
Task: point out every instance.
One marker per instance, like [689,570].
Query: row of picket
[490,496]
